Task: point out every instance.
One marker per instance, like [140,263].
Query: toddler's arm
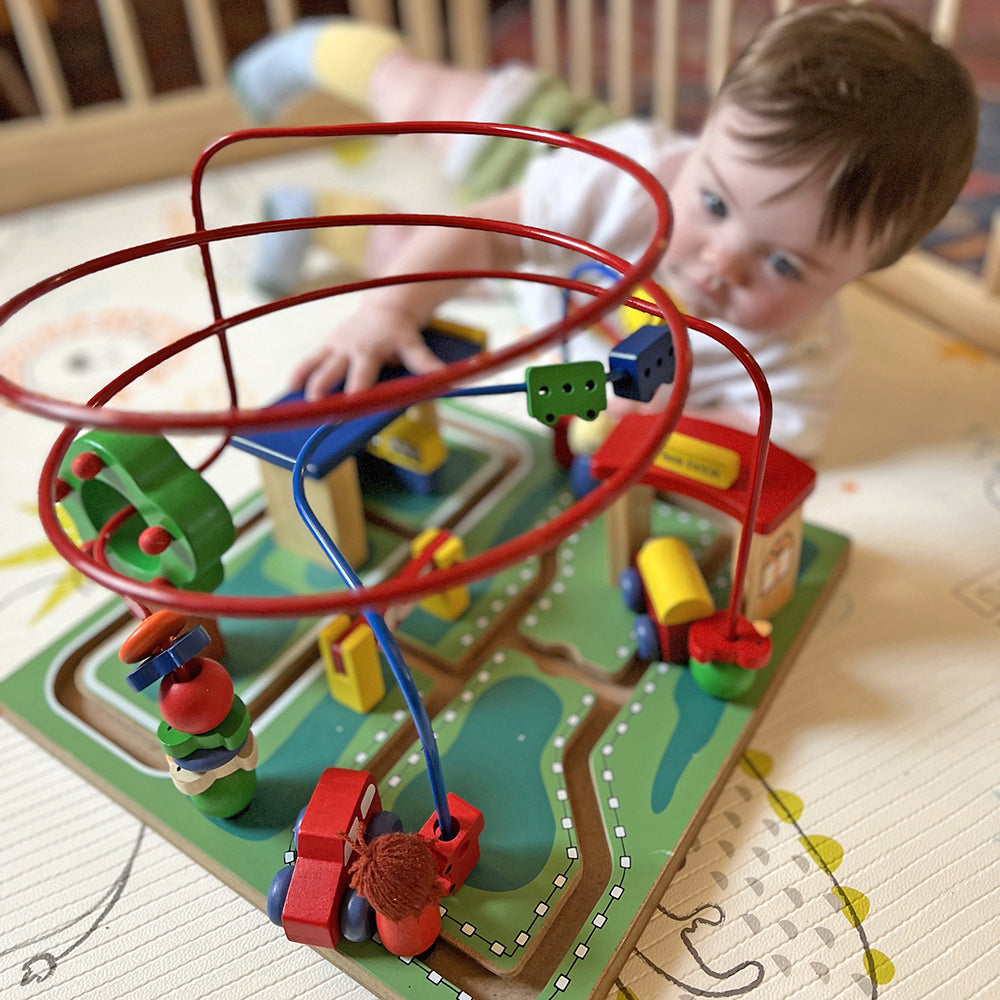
[386,327]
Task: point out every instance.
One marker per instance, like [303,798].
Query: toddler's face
[745,247]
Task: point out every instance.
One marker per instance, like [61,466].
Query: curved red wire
[400,393]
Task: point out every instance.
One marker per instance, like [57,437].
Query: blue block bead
[580,479]
[645,360]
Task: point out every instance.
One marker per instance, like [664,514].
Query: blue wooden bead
[646,360]
[581,480]
[155,668]
[208,759]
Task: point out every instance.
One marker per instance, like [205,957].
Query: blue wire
[577,274]
[382,633]
[486,390]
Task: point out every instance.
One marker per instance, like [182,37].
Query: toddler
[838,139]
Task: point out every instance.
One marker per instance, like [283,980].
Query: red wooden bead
[411,935]
[62,490]
[87,465]
[155,540]
[201,701]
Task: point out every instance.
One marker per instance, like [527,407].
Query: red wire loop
[401,392]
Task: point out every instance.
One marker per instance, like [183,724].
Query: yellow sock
[347,53]
[349,244]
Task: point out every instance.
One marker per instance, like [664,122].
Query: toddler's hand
[359,347]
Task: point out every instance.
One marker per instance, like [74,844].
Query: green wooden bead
[231,733]
[722,680]
[574,389]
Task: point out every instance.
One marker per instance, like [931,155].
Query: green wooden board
[592,771]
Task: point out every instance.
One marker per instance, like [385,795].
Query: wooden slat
[421,23]
[545,36]
[946,294]
[991,262]
[666,69]
[944,20]
[208,40]
[620,55]
[720,34]
[581,46]
[40,59]
[115,144]
[127,52]
[469,33]
[379,11]
[281,14]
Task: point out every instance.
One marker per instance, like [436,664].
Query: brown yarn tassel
[396,873]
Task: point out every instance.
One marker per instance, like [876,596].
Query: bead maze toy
[466,670]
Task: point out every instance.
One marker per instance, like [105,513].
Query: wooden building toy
[332,485]
[524,689]
[777,530]
[351,660]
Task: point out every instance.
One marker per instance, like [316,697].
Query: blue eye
[713,204]
[783,266]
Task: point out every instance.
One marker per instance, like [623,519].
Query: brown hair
[886,114]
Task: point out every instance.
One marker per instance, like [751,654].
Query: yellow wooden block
[452,603]
[353,668]
[699,460]
[674,584]
[410,442]
[632,319]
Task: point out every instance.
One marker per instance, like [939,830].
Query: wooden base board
[593,776]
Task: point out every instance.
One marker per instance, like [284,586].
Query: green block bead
[231,733]
[575,389]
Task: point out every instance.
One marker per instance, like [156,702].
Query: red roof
[787,479]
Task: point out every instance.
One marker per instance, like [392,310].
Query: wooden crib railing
[636,53]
